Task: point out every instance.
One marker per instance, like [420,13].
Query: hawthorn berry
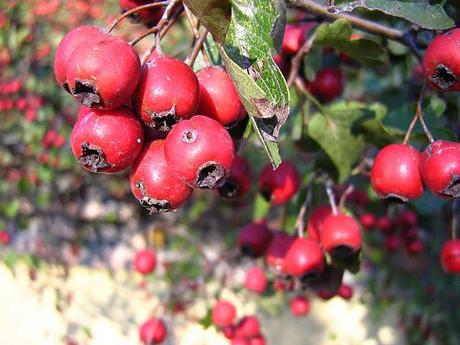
[168,90]
[4,237]
[255,280]
[407,219]
[294,37]
[345,291]
[239,182]
[223,313]
[276,252]
[440,168]
[100,146]
[327,85]
[247,327]
[316,220]
[97,80]
[368,221]
[414,247]
[392,243]
[300,306]
[450,256]
[279,185]
[200,151]
[340,236]
[441,63]
[153,331]
[148,16]
[385,224]
[254,239]
[145,261]
[240,341]
[304,258]
[395,173]
[152,182]
[258,340]
[218,96]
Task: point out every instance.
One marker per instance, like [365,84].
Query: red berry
[325,294]
[441,63]
[98,80]
[407,219]
[4,237]
[223,313]
[149,16]
[247,327]
[255,280]
[145,261]
[414,247]
[279,185]
[258,340]
[276,252]
[283,283]
[396,174]
[328,84]
[254,239]
[99,144]
[153,331]
[152,182]
[294,37]
[300,306]
[368,221]
[218,96]
[83,34]
[345,291]
[168,90]
[440,168]
[83,111]
[283,65]
[316,220]
[200,151]
[450,256]
[392,243]
[385,224]
[304,258]
[341,236]
[228,331]
[240,341]
[239,182]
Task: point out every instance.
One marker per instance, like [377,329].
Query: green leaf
[420,12]
[261,207]
[337,36]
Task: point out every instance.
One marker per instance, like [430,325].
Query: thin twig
[330,193]
[154,43]
[343,198]
[419,116]
[297,59]
[196,49]
[300,220]
[300,84]
[196,33]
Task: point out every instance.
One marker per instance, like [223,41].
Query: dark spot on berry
[164,120]
[444,78]
[249,251]
[453,189]
[189,136]
[93,158]
[86,93]
[210,176]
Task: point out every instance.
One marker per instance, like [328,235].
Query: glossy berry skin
[304,258]
[239,182]
[395,173]
[149,16]
[450,256]
[316,220]
[258,340]
[153,184]
[97,80]
[200,151]
[368,221]
[153,331]
[168,90]
[100,146]
[247,327]
[223,313]
[440,168]
[279,185]
[276,252]
[300,306]
[294,37]
[441,63]
[145,261]
[254,239]
[218,96]
[345,291]
[255,280]
[82,34]
[327,85]
[341,236]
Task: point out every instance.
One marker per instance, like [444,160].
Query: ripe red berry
[4,237]
[258,340]
[200,151]
[247,327]
[218,96]
[341,236]
[407,219]
[145,261]
[276,252]
[300,306]
[345,291]
[153,331]
[168,90]
[392,243]
[368,220]
[450,256]
[100,146]
[279,185]
[385,224]
[148,16]
[255,280]
[82,34]
[396,173]
[294,37]
[240,341]
[152,182]
[239,182]
[223,313]
[316,220]
[254,239]
[97,80]
[327,85]
[228,331]
[304,258]
[414,247]
[441,63]
[440,168]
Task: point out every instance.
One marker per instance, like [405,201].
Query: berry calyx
[255,280]
[340,236]
[239,182]
[145,261]
[153,331]
[300,306]
[450,256]
[254,239]
[223,313]
[395,173]
[279,185]
[304,258]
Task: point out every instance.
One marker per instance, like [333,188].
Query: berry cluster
[161,119]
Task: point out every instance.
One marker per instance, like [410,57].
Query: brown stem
[297,59]
[453,220]
[300,220]
[154,43]
[134,10]
[194,26]
[331,196]
[312,7]
[345,195]
[196,49]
